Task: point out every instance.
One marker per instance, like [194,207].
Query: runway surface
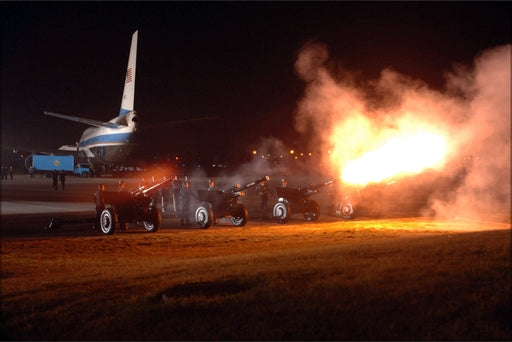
[25,195]
[34,207]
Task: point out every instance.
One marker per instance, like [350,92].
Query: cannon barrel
[248,185]
[143,191]
[318,186]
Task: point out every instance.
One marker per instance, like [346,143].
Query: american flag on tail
[129,75]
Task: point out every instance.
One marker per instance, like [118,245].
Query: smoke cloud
[472,112]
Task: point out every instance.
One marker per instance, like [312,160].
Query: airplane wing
[85,120]
[74,148]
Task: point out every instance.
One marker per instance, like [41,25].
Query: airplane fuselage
[110,145]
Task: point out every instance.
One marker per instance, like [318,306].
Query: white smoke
[472,113]
[267,160]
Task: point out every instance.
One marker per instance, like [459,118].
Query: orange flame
[407,154]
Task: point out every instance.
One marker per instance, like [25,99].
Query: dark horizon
[231,60]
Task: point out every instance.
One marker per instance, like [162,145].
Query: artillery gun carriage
[297,200]
[131,207]
[223,203]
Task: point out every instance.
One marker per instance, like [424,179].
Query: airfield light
[254,152]
[292,151]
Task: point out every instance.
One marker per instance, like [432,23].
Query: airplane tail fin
[129,85]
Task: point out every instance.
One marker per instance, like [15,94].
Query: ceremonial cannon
[131,207]
[296,200]
[223,203]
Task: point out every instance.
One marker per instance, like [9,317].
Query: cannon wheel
[311,210]
[155,220]
[241,215]
[347,210]
[282,212]
[204,216]
[108,221]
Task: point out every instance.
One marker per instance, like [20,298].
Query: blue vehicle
[82,170]
[47,163]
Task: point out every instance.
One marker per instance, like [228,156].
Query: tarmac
[34,207]
[26,195]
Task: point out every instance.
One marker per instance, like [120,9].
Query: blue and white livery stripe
[107,139]
[124,111]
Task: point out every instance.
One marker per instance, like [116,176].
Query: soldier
[185,202]
[334,195]
[165,194]
[176,189]
[263,191]
[55,179]
[100,205]
[154,195]
[122,189]
[284,183]
[211,187]
[62,178]
[11,171]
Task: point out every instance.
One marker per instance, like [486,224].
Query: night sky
[231,60]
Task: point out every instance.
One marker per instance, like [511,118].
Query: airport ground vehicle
[218,203]
[82,170]
[131,207]
[297,200]
[47,163]
[44,163]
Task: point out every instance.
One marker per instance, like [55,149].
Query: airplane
[109,142]
[113,141]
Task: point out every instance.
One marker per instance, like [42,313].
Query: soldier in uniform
[211,187]
[263,191]
[55,179]
[100,205]
[62,178]
[126,195]
[165,194]
[176,189]
[185,202]
[334,195]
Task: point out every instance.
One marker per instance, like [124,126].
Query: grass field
[402,279]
